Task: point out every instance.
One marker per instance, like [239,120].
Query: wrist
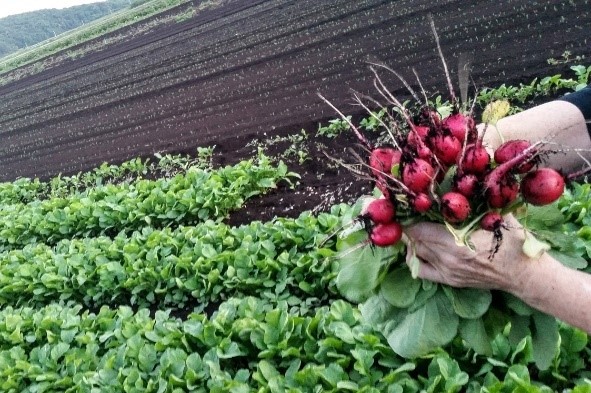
[527,283]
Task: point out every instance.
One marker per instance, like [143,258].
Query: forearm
[558,122]
[555,289]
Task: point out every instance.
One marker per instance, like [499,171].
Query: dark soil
[322,183]
[249,71]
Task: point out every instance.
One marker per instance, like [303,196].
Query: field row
[249,345]
[197,195]
[196,266]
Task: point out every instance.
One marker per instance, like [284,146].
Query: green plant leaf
[147,357]
[573,340]
[378,312]
[446,184]
[267,370]
[474,333]
[517,305]
[542,217]
[444,368]
[351,237]
[572,261]
[519,328]
[360,270]
[427,328]
[518,379]
[428,289]
[545,339]
[469,303]
[399,288]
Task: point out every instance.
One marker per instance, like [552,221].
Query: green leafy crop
[204,263]
[197,195]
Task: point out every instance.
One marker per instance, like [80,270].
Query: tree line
[22,30]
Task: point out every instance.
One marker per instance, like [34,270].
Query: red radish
[542,186]
[491,221]
[417,175]
[421,132]
[416,140]
[380,211]
[424,152]
[454,207]
[382,159]
[446,148]
[384,235]
[459,124]
[500,186]
[511,149]
[466,184]
[475,160]
[422,202]
[501,194]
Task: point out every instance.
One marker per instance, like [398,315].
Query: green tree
[22,30]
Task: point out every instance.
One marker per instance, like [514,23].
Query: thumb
[423,269]
[412,260]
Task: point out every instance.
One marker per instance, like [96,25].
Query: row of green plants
[170,268]
[253,345]
[544,87]
[25,190]
[196,195]
[249,345]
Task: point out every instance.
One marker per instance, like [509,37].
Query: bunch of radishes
[442,171]
[437,168]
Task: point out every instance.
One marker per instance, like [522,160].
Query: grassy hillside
[134,12]
[23,30]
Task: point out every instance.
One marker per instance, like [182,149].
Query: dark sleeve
[582,99]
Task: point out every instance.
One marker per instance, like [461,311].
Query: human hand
[443,261]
